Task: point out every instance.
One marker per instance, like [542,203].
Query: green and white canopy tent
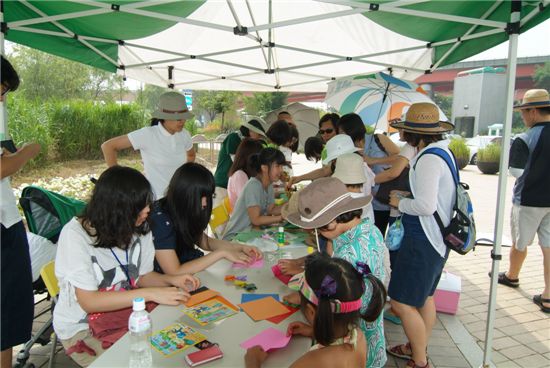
[271,45]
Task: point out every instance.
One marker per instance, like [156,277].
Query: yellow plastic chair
[47,272]
[220,217]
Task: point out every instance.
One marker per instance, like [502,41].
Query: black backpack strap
[378,143]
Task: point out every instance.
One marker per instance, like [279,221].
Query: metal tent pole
[3,114]
[513,31]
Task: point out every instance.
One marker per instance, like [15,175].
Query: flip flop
[539,300]
[505,280]
[399,351]
[392,317]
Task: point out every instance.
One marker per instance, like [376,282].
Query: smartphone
[9,145]
[203,356]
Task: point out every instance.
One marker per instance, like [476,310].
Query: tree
[46,77]
[261,103]
[445,103]
[216,102]
[542,76]
[148,96]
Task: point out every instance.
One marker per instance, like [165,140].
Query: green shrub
[491,153]
[192,127]
[459,148]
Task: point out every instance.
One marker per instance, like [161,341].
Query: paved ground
[521,333]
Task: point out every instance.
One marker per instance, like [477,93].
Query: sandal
[399,351]
[539,300]
[412,364]
[505,280]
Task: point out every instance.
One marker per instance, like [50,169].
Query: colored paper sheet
[268,339]
[175,338]
[250,297]
[201,297]
[209,311]
[263,308]
[279,274]
[278,319]
[259,263]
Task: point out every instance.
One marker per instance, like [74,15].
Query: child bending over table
[105,259]
[332,293]
[328,206]
[179,221]
[256,205]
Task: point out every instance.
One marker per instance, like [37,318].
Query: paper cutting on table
[268,339]
[250,297]
[278,319]
[259,263]
[263,308]
[175,338]
[209,311]
[201,297]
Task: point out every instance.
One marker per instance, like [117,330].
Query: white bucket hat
[256,125]
[337,146]
[350,169]
[172,106]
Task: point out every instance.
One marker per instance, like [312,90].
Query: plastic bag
[395,235]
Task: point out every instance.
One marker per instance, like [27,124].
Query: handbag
[395,235]
[399,183]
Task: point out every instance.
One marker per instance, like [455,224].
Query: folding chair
[220,217]
[48,276]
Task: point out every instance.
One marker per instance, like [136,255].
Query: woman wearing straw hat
[420,260]
[164,146]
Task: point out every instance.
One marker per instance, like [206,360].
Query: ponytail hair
[347,285]
[267,156]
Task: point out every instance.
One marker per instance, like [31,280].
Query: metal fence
[208,149]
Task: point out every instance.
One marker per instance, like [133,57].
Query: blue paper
[250,297]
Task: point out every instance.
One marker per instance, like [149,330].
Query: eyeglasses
[326,131]
[328,227]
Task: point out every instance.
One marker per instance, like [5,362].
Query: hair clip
[328,287]
[363,268]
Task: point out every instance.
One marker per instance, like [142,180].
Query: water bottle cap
[281,229]
[139,304]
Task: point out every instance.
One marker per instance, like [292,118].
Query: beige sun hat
[534,98]
[350,169]
[322,201]
[423,118]
[172,106]
[337,146]
[291,206]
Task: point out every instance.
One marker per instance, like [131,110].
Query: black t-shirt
[164,236]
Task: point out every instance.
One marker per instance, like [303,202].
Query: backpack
[460,235]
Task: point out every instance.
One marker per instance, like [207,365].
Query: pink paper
[268,339]
[259,263]
[279,274]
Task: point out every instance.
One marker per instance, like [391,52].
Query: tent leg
[3,114]
[502,180]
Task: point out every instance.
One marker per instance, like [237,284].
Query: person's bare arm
[111,148]
[191,155]
[312,175]
[13,162]
[387,160]
[258,220]
[390,147]
[393,172]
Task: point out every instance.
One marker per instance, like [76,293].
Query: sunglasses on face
[326,131]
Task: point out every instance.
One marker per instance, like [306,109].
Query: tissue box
[447,294]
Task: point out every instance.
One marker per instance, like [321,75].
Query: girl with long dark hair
[179,221]
[241,170]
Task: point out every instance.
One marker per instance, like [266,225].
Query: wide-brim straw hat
[350,169]
[322,201]
[423,118]
[337,146]
[533,99]
[172,106]
[256,129]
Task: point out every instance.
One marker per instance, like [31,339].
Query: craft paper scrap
[268,339]
[175,338]
[201,297]
[259,263]
[209,311]
[279,274]
[250,297]
[278,319]
[263,308]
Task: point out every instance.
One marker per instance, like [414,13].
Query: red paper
[279,274]
[282,317]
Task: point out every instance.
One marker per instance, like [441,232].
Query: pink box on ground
[447,294]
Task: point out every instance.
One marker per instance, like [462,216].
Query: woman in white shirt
[423,253]
[241,170]
[164,146]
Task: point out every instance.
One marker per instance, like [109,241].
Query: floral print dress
[365,243]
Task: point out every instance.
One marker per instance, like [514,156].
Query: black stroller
[46,213]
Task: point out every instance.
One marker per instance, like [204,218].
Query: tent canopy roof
[264,45]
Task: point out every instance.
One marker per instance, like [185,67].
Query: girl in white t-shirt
[105,259]
[164,146]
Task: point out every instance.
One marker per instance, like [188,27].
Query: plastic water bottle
[140,328]
[280,241]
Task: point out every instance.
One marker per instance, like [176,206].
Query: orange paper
[201,297]
[263,308]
